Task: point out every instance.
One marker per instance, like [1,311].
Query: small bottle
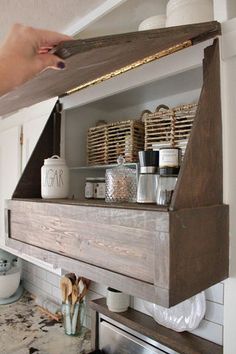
[89,188]
[169,165]
[99,188]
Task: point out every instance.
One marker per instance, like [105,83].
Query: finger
[50,38]
[44,61]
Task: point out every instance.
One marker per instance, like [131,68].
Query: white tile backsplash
[216,293]
[214,312]
[211,331]
[41,282]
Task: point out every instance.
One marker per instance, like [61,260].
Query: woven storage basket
[168,127]
[106,142]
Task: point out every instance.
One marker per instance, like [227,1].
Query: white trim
[92,16]
[228,39]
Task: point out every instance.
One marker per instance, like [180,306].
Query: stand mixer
[10,273]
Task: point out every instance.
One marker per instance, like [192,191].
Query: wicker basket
[106,142]
[168,127]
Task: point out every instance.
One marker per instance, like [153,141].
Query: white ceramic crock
[117,301]
[183,12]
[54,178]
[158,21]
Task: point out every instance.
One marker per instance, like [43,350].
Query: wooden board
[119,240]
[183,343]
[174,254]
[90,59]
[200,181]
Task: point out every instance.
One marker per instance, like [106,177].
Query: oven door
[114,340]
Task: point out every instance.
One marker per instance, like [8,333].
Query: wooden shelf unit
[161,255]
[183,343]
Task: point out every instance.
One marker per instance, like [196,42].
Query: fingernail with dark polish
[61,65]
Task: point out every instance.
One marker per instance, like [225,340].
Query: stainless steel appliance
[114,338]
[148,178]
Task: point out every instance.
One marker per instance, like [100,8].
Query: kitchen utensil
[148,178]
[74,298]
[72,277]
[66,289]
[10,274]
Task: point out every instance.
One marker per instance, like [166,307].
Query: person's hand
[25,53]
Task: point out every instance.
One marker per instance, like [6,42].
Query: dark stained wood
[196,32]
[183,343]
[200,181]
[29,185]
[199,250]
[90,59]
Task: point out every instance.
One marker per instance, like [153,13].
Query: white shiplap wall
[38,281]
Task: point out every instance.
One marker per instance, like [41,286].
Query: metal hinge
[21,136]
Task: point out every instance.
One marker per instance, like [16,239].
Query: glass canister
[121,183]
[165,189]
[54,178]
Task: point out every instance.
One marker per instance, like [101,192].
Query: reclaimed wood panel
[90,59]
[174,254]
[121,282]
[183,343]
[119,241]
[199,250]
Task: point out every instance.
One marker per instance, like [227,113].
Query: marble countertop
[24,329]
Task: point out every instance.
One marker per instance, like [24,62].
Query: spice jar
[169,162]
[54,178]
[99,188]
[89,188]
[121,183]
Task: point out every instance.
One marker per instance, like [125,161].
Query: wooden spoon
[74,298]
[66,288]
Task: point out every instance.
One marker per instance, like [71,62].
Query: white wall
[229,124]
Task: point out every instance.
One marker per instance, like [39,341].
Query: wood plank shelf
[183,343]
[98,203]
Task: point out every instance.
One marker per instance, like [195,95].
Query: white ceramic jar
[117,301]
[158,21]
[183,12]
[54,178]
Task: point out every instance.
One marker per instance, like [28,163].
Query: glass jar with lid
[121,183]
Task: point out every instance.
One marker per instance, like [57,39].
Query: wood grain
[120,242]
[199,250]
[200,181]
[115,280]
[174,255]
[183,343]
[90,59]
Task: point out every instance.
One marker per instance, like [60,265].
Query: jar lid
[55,160]
[100,179]
[169,171]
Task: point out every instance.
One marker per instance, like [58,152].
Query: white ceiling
[49,14]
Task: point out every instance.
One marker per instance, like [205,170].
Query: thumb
[49,61]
